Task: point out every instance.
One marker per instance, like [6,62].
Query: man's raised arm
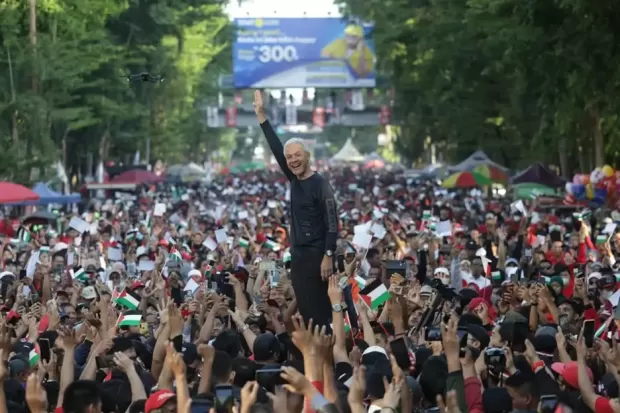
[272,139]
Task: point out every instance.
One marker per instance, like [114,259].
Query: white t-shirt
[481,282]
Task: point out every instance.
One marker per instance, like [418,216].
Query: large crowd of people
[211,298]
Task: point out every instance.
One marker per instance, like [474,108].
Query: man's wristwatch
[336,308]
[329,253]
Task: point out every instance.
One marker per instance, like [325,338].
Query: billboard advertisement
[303,52]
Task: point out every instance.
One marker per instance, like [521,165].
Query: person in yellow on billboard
[351,47]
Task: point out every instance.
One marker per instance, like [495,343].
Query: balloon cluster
[595,189]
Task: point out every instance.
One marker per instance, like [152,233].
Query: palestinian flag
[131,235]
[78,273]
[347,323]
[244,243]
[34,356]
[44,249]
[23,235]
[375,294]
[601,239]
[603,328]
[148,221]
[486,264]
[171,240]
[286,257]
[175,256]
[496,275]
[208,271]
[128,320]
[126,299]
[272,245]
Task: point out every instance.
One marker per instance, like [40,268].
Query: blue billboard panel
[303,52]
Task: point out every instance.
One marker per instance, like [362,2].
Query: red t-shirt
[6,228]
[603,405]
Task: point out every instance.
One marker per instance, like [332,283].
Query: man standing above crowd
[314,222]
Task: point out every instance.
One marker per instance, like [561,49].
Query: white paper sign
[378,231]
[363,228]
[159,210]
[210,243]
[191,285]
[79,225]
[221,236]
[145,265]
[444,229]
[362,240]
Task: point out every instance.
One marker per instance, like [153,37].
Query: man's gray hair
[298,141]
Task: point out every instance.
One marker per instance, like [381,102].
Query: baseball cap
[18,365]
[426,290]
[373,354]
[569,372]
[158,399]
[190,352]
[265,346]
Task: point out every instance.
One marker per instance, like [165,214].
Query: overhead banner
[303,52]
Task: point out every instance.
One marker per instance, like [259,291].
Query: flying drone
[144,77]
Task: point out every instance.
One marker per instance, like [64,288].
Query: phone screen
[588,333]
[401,354]
[274,276]
[548,403]
[44,346]
[200,405]
[433,334]
[270,376]
[340,263]
[223,397]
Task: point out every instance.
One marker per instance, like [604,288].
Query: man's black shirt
[314,220]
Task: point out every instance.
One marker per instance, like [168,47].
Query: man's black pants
[310,289]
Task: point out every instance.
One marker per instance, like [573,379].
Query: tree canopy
[64,92]
[525,80]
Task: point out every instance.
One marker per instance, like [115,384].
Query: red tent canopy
[13,193]
[136,176]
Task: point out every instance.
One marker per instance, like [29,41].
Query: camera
[446,293]
[495,359]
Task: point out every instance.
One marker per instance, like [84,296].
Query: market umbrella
[11,193]
[466,180]
[39,218]
[532,190]
[494,173]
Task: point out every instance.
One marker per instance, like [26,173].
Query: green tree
[523,80]
[63,80]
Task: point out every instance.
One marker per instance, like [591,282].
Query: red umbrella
[12,193]
[136,176]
